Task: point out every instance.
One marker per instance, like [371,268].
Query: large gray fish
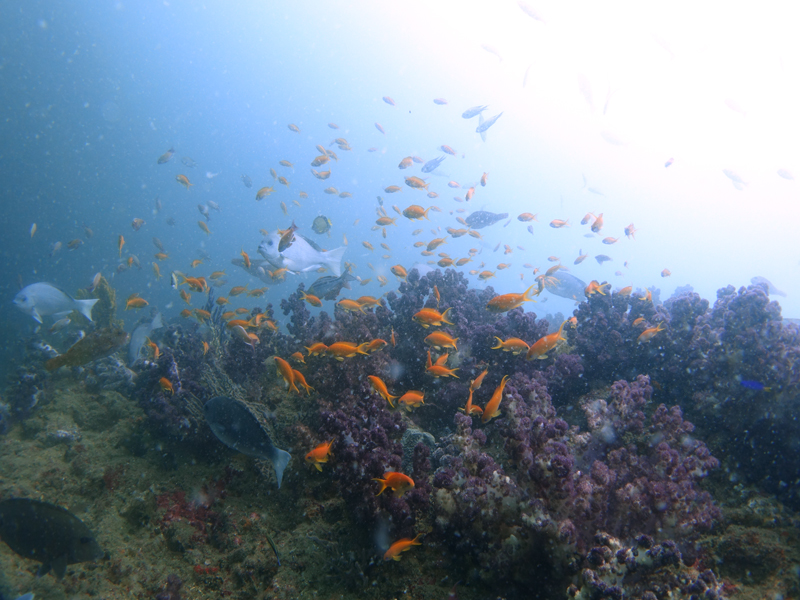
[565,285]
[303,255]
[486,124]
[43,300]
[475,110]
[140,333]
[328,287]
[482,218]
[237,427]
[771,289]
[47,534]
[432,164]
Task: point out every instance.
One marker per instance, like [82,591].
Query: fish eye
[269,243]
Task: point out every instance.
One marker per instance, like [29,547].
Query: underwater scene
[432,300]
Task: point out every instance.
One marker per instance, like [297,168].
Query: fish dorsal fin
[311,243]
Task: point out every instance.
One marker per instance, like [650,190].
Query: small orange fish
[508,302]
[293,127]
[513,345]
[476,383]
[666,273]
[205,348]
[399,483]
[558,223]
[368,246]
[439,339]
[375,345]
[196,262]
[438,369]
[610,240]
[448,150]
[300,378]
[416,183]
[317,349]
[626,291]
[380,387]
[470,409]
[311,299]
[237,290]
[379,128]
[152,345]
[393,339]
[284,181]
[285,370]
[648,297]
[184,181]
[492,408]
[186,313]
[393,553]
[638,321]
[166,385]
[648,333]
[383,221]
[484,275]
[264,192]
[405,163]
[543,345]
[319,455]
[399,272]
[435,243]
[286,163]
[350,305]
[201,315]
[135,302]
[245,258]
[428,316]
[527,217]
[595,288]
[204,227]
[412,399]
[342,350]
[120,244]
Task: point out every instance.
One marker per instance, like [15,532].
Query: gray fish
[771,289]
[475,110]
[432,164]
[486,124]
[601,258]
[481,218]
[481,121]
[328,287]
[46,533]
[186,160]
[43,300]
[140,333]
[247,181]
[303,255]
[237,427]
[565,285]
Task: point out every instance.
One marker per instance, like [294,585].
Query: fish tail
[333,259]
[499,344]
[444,316]
[85,307]
[383,486]
[280,458]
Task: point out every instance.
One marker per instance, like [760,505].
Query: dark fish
[164,158]
[486,124]
[97,344]
[157,243]
[753,385]
[188,162]
[475,110]
[601,258]
[565,285]
[321,225]
[170,221]
[248,183]
[329,287]
[482,218]
[236,426]
[432,164]
[47,534]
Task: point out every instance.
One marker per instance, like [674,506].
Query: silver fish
[237,427]
[475,110]
[486,124]
[204,211]
[303,255]
[43,300]
[771,289]
[432,164]
[139,335]
[247,181]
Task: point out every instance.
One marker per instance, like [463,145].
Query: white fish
[301,256]
[43,300]
[785,173]
[140,333]
[213,205]
[738,182]
[492,50]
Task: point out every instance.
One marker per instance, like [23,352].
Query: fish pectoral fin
[35,315]
[542,356]
[280,458]
[59,566]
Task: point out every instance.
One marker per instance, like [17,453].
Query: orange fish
[448,150]
[595,288]
[205,348]
[513,345]
[245,258]
[626,291]
[507,302]
[380,387]
[311,299]
[320,160]
[317,349]
[412,399]
[405,163]
[350,305]
[293,127]
[558,223]
[439,339]
[438,369]
[393,553]
[666,273]
[527,217]
[638,321]
[543,345]
[492,408]
[484,177]
[399,272]
[342,350]
[184,181]
[416,183]
[435,243]
[376,345]
[383,221]
[610,240]
[630,230]
[598,223]
[120,244]
[476,383]
[264,192]
[470,409]
[399,483]
[298,357]
[285,369]
[152,345]
[648,297]
[284,181]
[204,227]
[135,302]
[166,385]
[648,333]
[484,275]
[379,128]
[300,378]
[436,294]
[368,301]
[320,455]
[393,339]
[428,316]
[186,313]
[236,290]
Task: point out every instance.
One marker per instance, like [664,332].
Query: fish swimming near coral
[43,300]
[303,255]
[481,218]
[771,289]
[46,533]
[236,426]
[329,287]
[140,333]
[565,285]
[97,344]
